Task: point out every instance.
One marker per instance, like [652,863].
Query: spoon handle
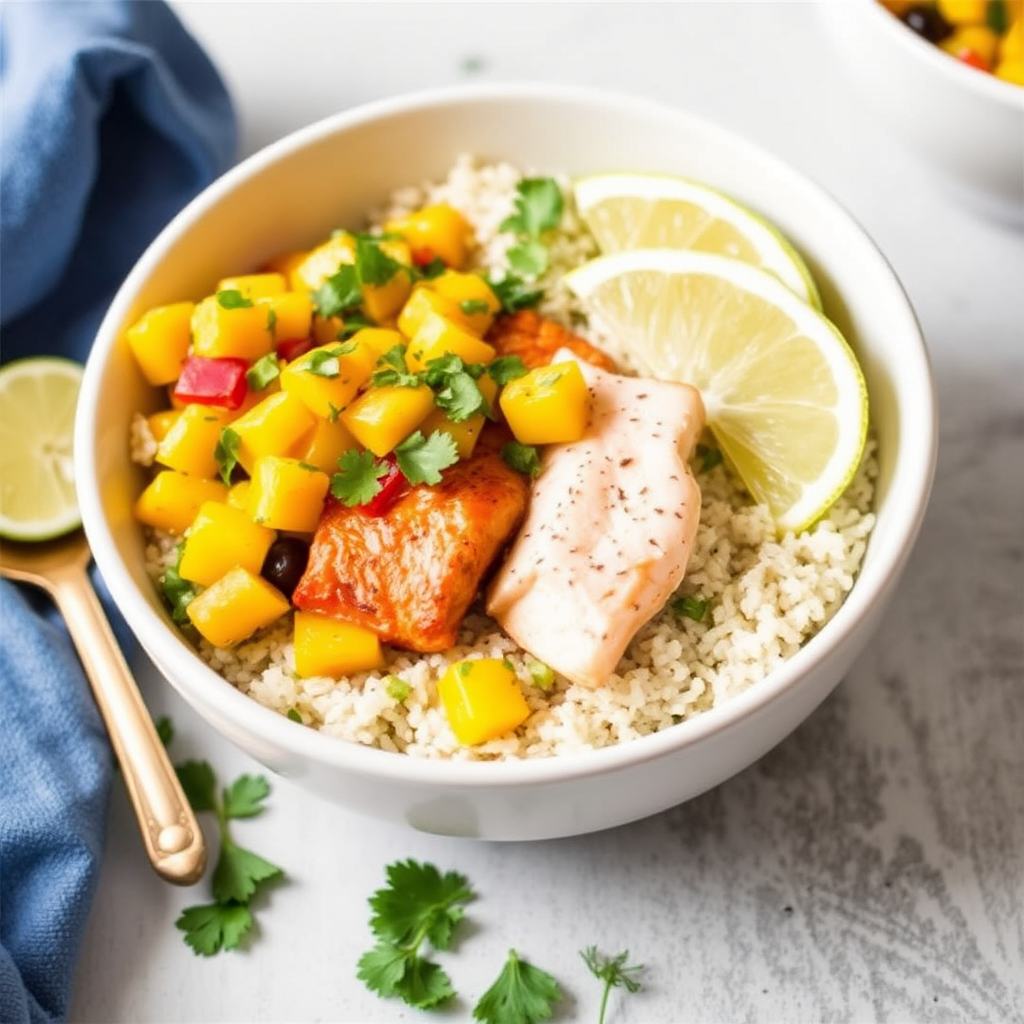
[170,832]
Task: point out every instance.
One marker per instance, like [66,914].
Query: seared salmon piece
[411,574]
[535,339]
[612,521]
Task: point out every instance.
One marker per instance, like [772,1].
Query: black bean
[927,22]
[285,563]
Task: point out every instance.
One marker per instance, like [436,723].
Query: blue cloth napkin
[113,119]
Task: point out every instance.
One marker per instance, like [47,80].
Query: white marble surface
[871,868]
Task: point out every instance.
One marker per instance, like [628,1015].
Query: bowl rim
[164,644]
[983,83]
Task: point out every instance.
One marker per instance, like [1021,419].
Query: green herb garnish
[358,478]
[522,994]
[263,371]
[232,298]
[709,457]
[326,362]
[397,688]
[419,907]
[177,591]
[521,457]
[690,607]
[471,306]
[421,459]
[392,370]
[226,453]
[613,971]
[339,293]
[542,676]
[506,368]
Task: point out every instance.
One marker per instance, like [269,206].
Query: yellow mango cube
[323,262]
[327,378]
[324,444]
[382,417]
[325,646]
[326,330]
[383,301]
[254,286]
[159,340]
[242,331]
[437,336]
[286,494]
[271,427]
[220,538]
[482,699]
[423,300]
[378,340]
[465,433]
[548,405]
[172,500]
[161,422]
[472,296]
[963,12]
[190,444]
[231,609]
[238,494]
[289,315]
[437,231]
[285,264]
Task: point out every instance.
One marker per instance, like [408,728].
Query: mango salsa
[325,646]
[382,417]
[171,500]
[482,699]
[220,538]
[159,340]
[190,444]
[231,609]
[286,494]
[548,405]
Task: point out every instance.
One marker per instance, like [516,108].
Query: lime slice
[37,419]
[784,394]
[657,211]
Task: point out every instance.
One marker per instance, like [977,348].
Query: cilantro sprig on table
[239,873]
[521,994]
[614,972]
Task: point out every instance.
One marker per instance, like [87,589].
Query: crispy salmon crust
[411,574]
[535,339]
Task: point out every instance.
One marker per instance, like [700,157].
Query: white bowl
[332,172]
[965,125]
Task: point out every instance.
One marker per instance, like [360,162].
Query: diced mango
[254,286]
[244,331]
[378,340]
[190,445]
[548,405]
[172,500]
[324,444]
[465,433]
[161,422]
[286,494]
[383,301]
[327,329]
[235,606]
[327,378]
[473,297]
[963,12]
[438,336]
[238,494]
[325,646]
[288,315]
[159,340]
[482,699]
[323,262]
[285,263]
[271,427]
[423,300]
[979,39]
[220,538]
[437,231]
[382,417]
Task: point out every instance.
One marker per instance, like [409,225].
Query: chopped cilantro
[505,368]
[325,362]
[373,265]
[455,386]
[397,688]
[232,298]
[529,258]
[272,322]
[435,268]
[354,321]
[471,306]
[542,676]
[538,208]
[421,459]
[177,591]
[294,715]
[393,372]
[226,453]
[340,292]
[263,371]
[690,607]
[521,994]
[358,478]
[521,457]
[709,457]
[514,293]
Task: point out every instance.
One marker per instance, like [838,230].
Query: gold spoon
[170,832]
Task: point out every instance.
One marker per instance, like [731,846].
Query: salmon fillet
[536,339]
[411,574]
[611,525]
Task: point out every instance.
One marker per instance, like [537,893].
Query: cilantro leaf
[177,591]
[530,258]
[272,322]
[199,783]
[505,368]
[614,971]
[435,268]
[164,730]
[460,397]
[244,798]
[214,926]
[239,872]
[383,969]
[709,457]
[226,453]
[232,298]
[397,688]
[326,362]
[521,994]
[358,478]
[341,291]
[419,900]
[472,306]
[391,971]
[521,457]
[538,207]
[421,459]
[393,371]
[354,321]
[263,371]
[690,607]
[373,265]
[514,293]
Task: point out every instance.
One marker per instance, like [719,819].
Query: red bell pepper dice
[392,487]
[292,348]
[219,382]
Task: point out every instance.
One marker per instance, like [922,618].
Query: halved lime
[659,211]
[37,420]
[784,394]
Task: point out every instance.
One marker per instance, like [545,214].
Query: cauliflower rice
[766,595]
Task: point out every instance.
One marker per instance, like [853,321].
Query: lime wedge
[37,419]
[784,394]
[658,211]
